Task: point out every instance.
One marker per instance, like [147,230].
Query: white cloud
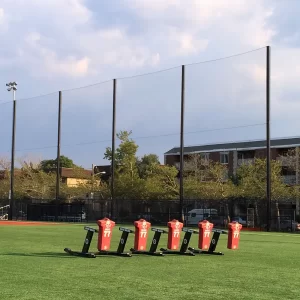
[196,22]
[285,89]
[256,72]
[257,32]
[148,7]
[70,66]
[36,53]
[285,67]
[155,59]
[223,27]
[60,38]
[3,21]
[186,43]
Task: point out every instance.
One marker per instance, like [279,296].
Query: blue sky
[53,45]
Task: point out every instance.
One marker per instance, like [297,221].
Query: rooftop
[242,145]
[75,173]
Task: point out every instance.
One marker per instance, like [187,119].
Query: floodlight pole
[12,87]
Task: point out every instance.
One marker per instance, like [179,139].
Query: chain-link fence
[251,213]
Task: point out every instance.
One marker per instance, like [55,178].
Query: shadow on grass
[270,242]
[42,254]
[51,254]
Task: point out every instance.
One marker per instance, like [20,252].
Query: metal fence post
[182,144]
[58,147]
[112,183]
[268,187]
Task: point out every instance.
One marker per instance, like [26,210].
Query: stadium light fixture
[12,86]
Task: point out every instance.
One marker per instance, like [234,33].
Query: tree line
[145,178]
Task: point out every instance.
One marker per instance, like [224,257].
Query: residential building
[73,177]
[234,154]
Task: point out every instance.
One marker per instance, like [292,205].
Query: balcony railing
[204,162]
[286,161]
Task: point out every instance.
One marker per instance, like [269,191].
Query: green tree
[98,188]
[4,178]
[291,161]
[128,184]
[197,167]
[129,187]
[162,183]
[33,183]
[125,154]
[253,180]
[196,176]
[4,186]
[50,164]
[147,164]
[205,179]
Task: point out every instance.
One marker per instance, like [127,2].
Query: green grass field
[34,266]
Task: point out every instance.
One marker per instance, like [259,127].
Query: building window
[224,157]
[247,154]
[205,156]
